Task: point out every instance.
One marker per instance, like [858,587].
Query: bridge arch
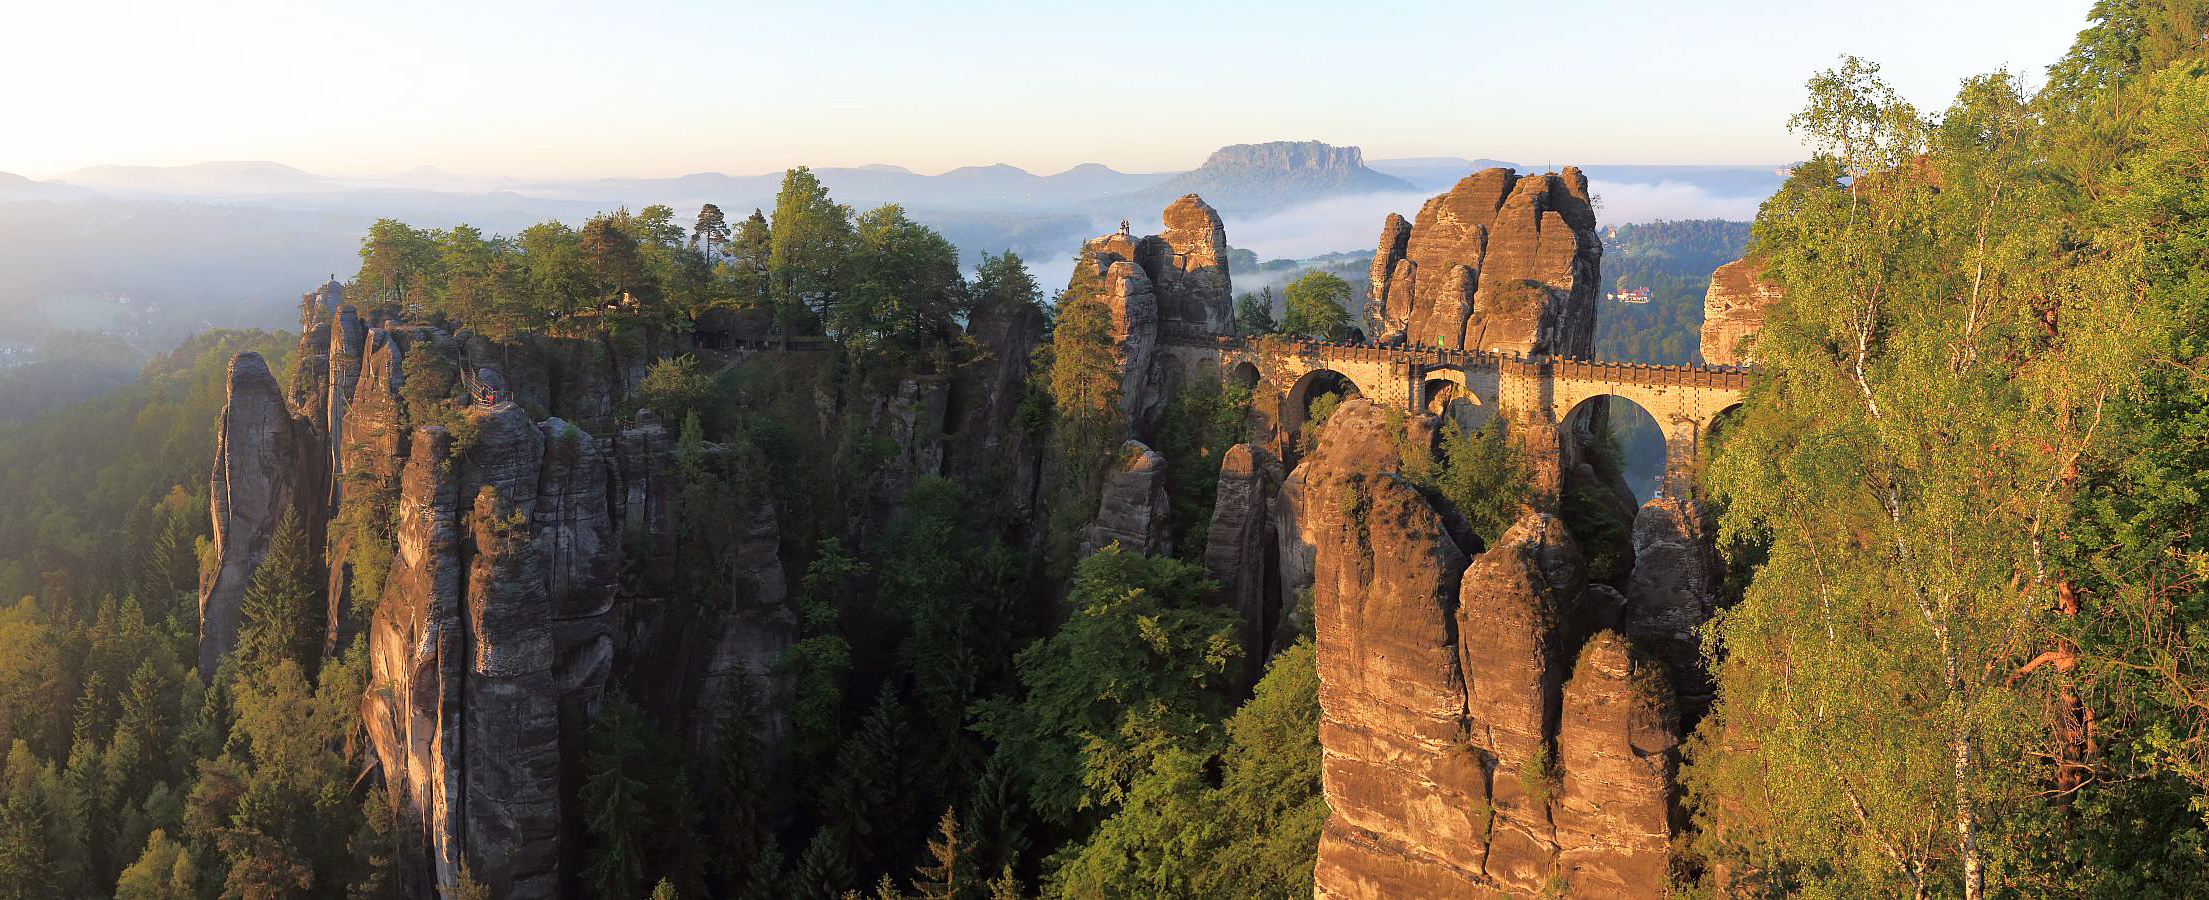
[1648,455]
[1243,374]
[1309,388]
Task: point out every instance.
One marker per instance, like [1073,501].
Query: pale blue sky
[556,88]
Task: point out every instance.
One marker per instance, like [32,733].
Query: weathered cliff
[1733,311]
[268,467]
[1238,553]
[1499,262]
[1175,283]
[1478,736]
[525,555]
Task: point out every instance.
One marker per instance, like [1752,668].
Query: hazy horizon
[665,89]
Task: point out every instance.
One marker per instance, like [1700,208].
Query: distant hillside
[1250,179]
[1674,261]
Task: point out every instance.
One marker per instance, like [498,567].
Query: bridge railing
[1717,377]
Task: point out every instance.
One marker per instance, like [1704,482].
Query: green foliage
[1674,260]
[1202,421]
[819,660]
[1481,475]
[1254,314]
[964,611]
[281,617]
[809,248]
[1080,375]
[81,484]
[1538,777]
[1254,834]
[635,804]
[1315,419]
[1318,307]
[1977,459]
[163,872]
[1140,669]
[904,292]
[674,388]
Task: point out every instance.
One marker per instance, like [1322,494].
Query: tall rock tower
[1500,262]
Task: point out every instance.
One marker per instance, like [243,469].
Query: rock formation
[1255,179]
[1673,591]
[1236,553]
[1482,732]
[1618,752]
[1500,262]
[1132,509]
[268,466]
[1408,798]
[1733,311]
[1174,283]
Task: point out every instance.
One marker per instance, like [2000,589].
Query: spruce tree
[825,871]
[281,616]
[615,799]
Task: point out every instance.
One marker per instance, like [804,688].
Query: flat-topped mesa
[1733,311]
[1500,262]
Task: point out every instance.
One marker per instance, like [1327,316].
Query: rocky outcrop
[1482,732]
[991,453]
[1174,283]
[1618,752]
[1236,553]
[1733,311]
[1408,798]
[1515,612]
[1500,262]
[1188,263]
[268,467]
[1674,590]
[418,655]
[1132,510]
[1133,306]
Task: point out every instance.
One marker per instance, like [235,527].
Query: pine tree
[736,788]
[765,877]
[825,871]
[281,616]
[615,798]
[712,230]
[1254,314]
[30,861]
[870,798]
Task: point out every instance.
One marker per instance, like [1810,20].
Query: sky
[550,88]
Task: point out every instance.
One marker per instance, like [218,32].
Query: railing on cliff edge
[1572,369]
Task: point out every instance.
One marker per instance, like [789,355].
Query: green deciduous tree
[809,248]
[1318,307]
[1139,670]
[1253,835]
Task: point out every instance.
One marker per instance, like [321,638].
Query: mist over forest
[155,254]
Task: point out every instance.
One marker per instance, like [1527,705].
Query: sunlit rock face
[268,463]
[1500,262]
[1156,286]
[1733,311]
[1484,731]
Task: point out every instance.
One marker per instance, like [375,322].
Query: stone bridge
[1686,401]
